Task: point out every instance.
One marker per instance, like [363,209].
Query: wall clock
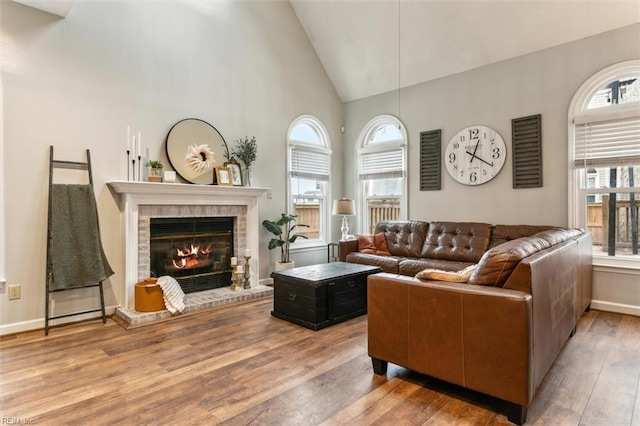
[475,155]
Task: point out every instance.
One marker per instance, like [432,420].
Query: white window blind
[382,165]
[309,164]
[607,139]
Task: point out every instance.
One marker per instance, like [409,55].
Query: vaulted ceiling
[369,47]
[364,54]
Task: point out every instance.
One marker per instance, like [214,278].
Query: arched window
[382,171]
[604,150]
[309,167]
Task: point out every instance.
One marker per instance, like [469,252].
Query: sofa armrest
[474,336]
[346,247]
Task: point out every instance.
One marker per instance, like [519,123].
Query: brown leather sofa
[500,332]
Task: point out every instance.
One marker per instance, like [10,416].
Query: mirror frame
[174,145]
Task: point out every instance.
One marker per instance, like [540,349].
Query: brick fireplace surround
[141,201]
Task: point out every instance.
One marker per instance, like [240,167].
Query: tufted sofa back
[405,238]
[505,233]
[459,241]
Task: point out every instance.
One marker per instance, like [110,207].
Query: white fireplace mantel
[134,194]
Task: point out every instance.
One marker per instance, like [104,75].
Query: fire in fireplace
[196,251]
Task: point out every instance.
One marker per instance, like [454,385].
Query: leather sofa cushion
[373,244]
[386,263]
[498,262]
[460,241]
[404,238]
[411,267]
[503,233]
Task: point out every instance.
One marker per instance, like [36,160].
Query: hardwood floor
[239,365]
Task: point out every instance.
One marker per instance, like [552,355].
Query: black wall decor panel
[527,151]
[430,164]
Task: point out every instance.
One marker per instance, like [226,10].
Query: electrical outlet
[15,292]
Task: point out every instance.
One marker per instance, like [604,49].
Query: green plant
[155,164]
[284,230]
[245,150]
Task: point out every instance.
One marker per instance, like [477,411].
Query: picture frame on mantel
[236,171]
[223,176]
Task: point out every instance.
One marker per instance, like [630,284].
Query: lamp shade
[344,207]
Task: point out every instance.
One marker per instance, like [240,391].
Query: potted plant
[155,171]
[284,229]
[245,151]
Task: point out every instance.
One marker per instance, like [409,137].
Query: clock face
[475,155]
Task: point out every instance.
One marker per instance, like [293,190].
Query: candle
[247,253]
[239,269]
[133,149]
[139,144]
[234,261]
[128,138]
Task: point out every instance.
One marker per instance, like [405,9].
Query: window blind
[608,141]
[382,165]
[309,164]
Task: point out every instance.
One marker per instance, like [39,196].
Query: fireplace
[196,251]
[142,201]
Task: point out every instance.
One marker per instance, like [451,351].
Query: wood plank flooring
[241,366]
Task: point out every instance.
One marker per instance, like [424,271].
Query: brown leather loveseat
[498,333]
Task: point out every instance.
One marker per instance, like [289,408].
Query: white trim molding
[618,308]
[3,233]
[132,195]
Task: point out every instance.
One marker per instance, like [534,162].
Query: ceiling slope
[364,54]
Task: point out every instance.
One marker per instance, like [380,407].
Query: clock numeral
[455,167]
[461,173]
[474,133]
[484,172]
[496,153]
[456,145]
[452,157]
[473,177]
[462,138]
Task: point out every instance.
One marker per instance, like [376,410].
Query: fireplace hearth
[196,251]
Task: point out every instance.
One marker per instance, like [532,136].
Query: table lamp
[344,207]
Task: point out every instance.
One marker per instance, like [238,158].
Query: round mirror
[194,148]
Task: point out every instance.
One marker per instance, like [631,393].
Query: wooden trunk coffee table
[318,296]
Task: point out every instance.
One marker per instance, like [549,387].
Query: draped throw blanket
[76,255]
[172,294]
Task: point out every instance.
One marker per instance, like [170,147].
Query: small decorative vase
[247,176]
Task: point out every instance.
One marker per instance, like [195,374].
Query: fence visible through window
[382,209]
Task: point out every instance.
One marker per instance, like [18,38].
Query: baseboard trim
[36,324]
[617,308]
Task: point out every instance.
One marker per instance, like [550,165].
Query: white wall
[76,83]
[539,83]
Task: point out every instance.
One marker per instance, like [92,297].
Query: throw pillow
[373,244]
[365,244]
[380,242]
[461,276]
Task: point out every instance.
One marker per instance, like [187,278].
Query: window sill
[313,245]
[617,264]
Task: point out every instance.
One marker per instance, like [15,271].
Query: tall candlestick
[247,270]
